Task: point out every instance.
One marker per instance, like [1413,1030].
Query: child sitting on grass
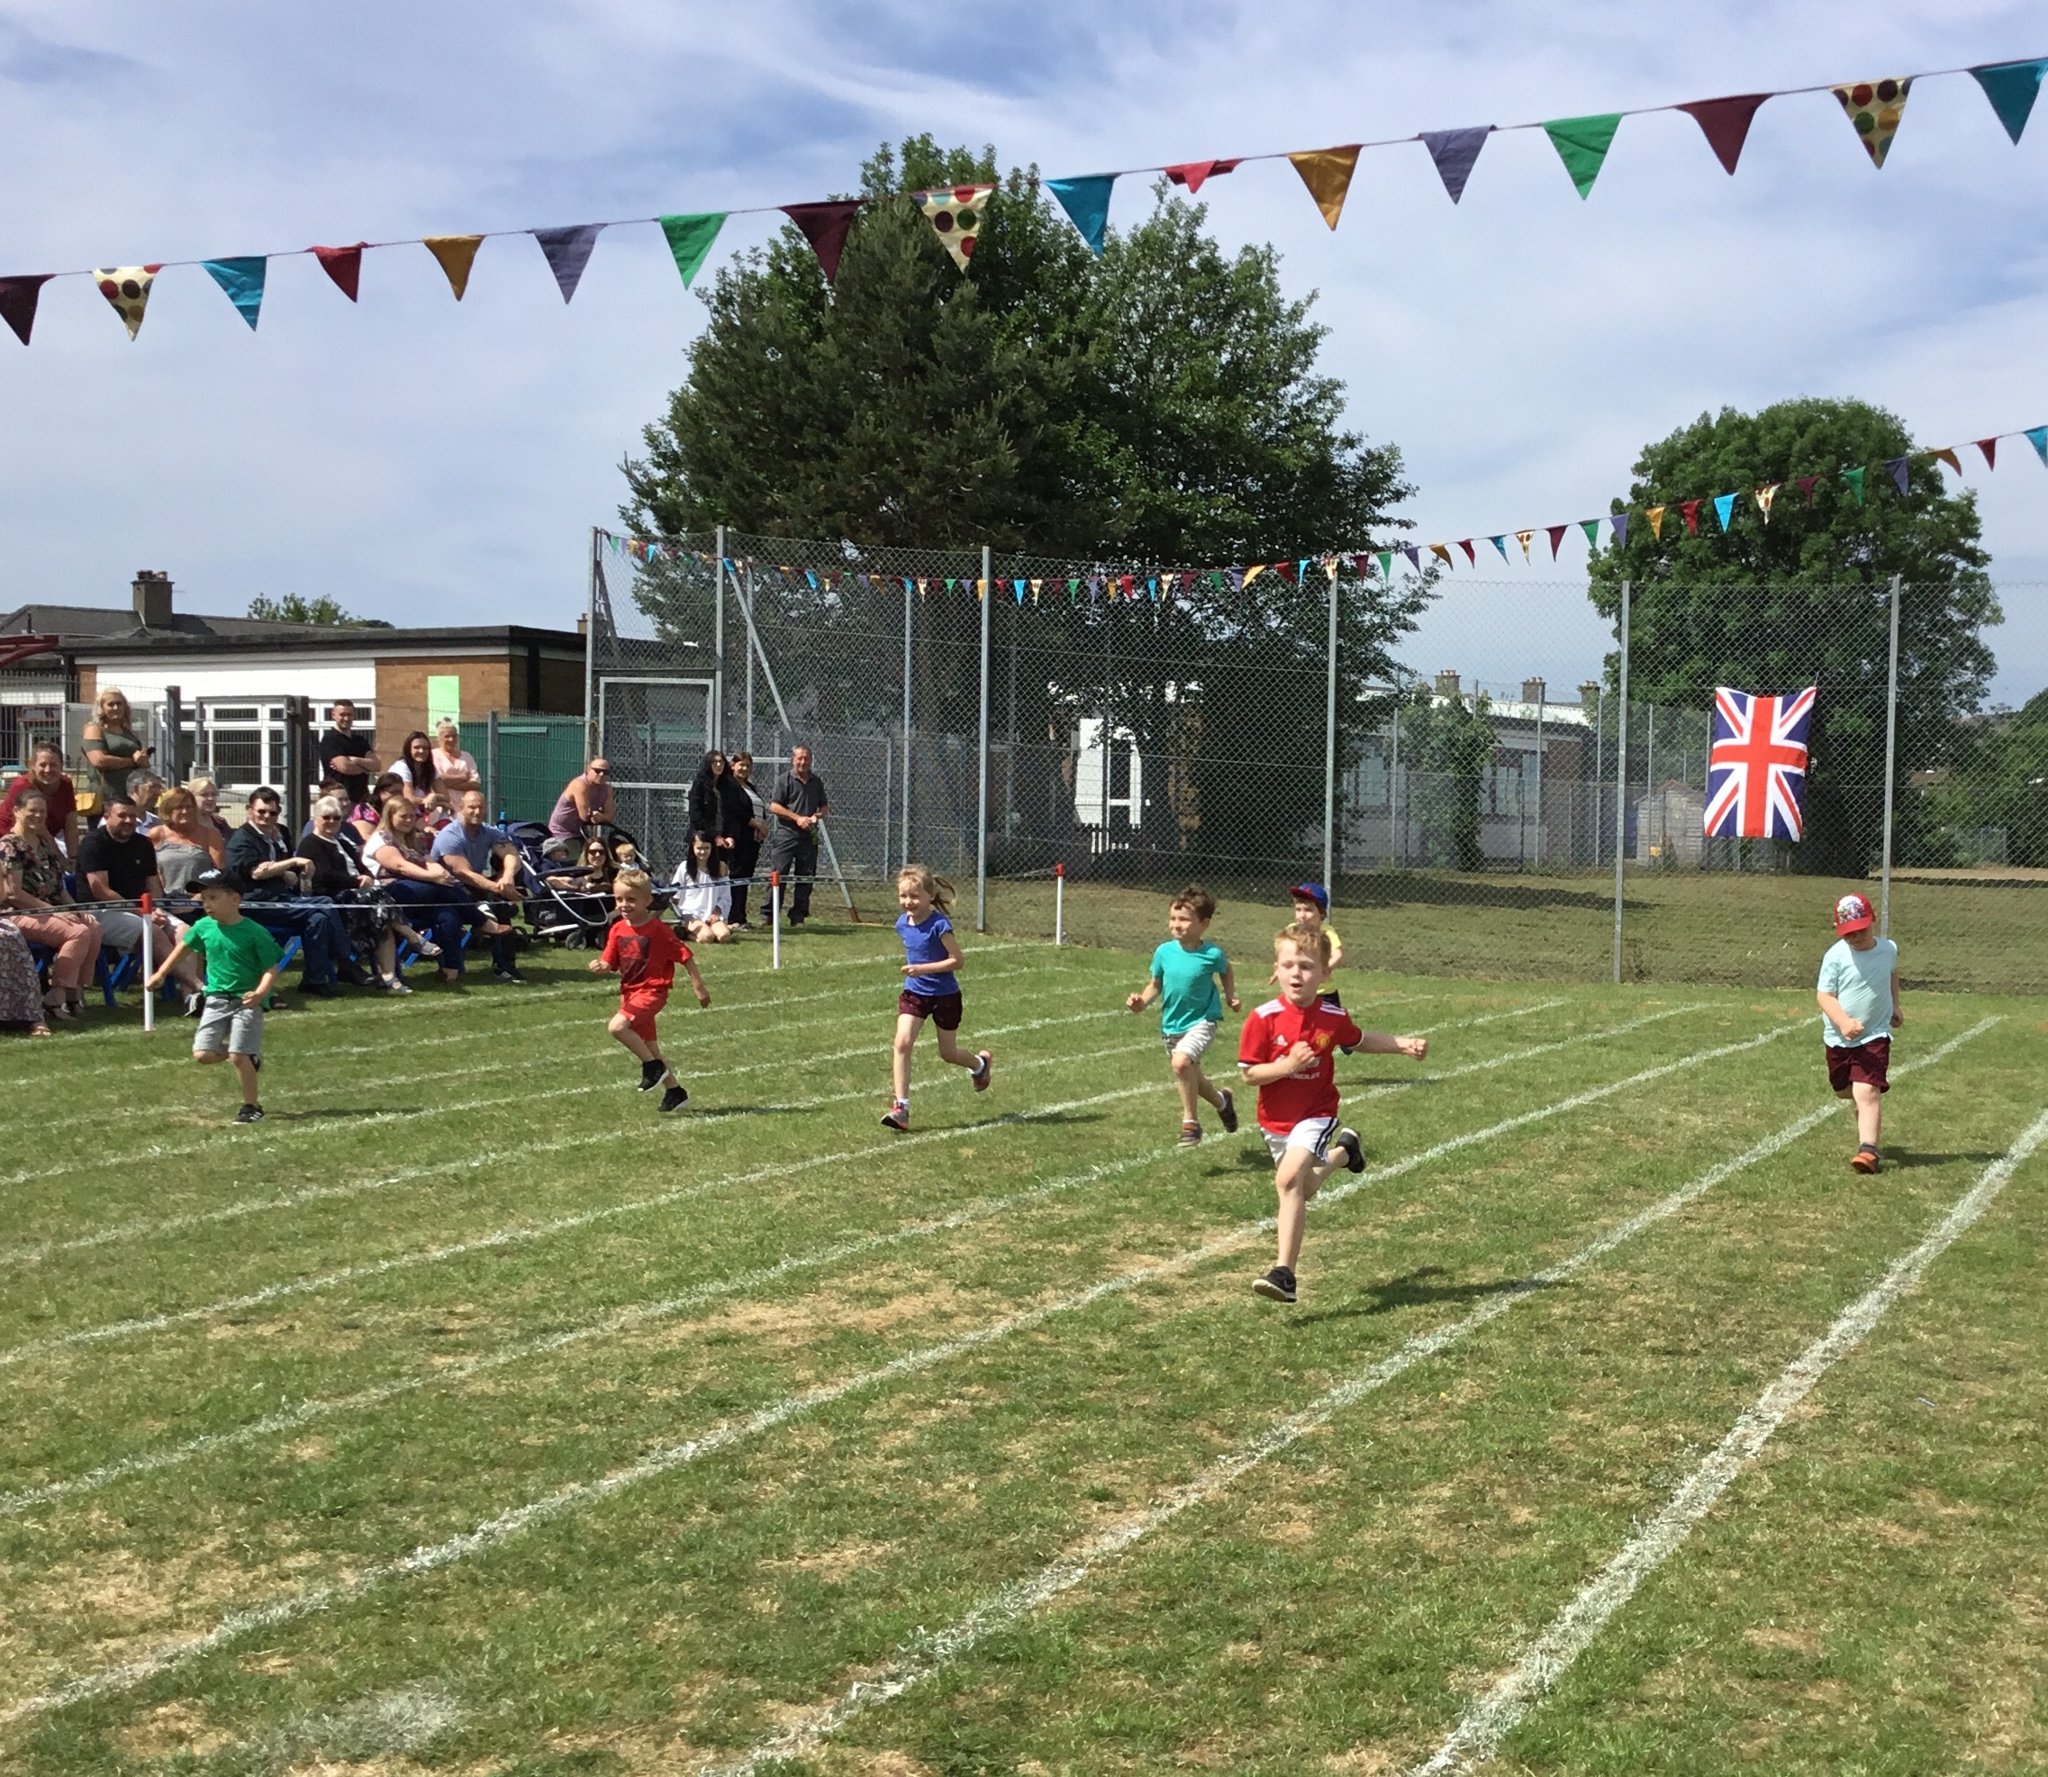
[1286,1051]
[1185,973]
[1859,1002]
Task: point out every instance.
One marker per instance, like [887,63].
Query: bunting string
[1874,109]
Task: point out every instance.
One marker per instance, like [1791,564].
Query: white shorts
[1313,1133]
[227,1024]
[1192,1041]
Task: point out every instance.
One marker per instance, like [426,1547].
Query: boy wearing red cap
[1859,1002]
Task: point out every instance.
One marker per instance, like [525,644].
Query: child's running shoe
[1191,1135]
[982,1072]
[897,1116]
[1276,1286]
[1865,1158]
[249,1113]
[1227,1112]
[674,1099]
[1354,1150]
[652,1073]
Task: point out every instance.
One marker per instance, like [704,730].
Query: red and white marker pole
[1059,904]
[775,919]
[148,965]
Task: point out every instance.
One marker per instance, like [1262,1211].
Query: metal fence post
[988,593]
[494,794]
[174,722]
[1330,745]
[903,856]
[1395,837]
[1891,746]
[1620,777]
[718,645]
[1540,689]
[590,737]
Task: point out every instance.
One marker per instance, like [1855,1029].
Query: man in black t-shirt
[116,864]
[798,807]
[348,754]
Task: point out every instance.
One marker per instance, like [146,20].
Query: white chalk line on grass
[267,1147]
[1488,1721]
[530,1235]
[495,1530]
[930,1652]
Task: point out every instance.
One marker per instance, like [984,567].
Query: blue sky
[429,461]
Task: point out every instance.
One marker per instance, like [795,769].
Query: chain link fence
[997,716]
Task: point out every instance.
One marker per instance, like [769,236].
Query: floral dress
[40,864]
[21,994]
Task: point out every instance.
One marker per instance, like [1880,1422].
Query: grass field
[469,1417]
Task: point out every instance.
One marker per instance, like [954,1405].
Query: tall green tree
[1449,744]
[1805,598]
[1158,404]
[295,607]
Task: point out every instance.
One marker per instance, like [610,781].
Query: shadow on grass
[1414,1289]
[1897,1158]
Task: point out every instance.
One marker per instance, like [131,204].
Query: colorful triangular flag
[344,265]
[455,254]
[955,213]
[1898,468]
[1854,477]
[1655,515]
[1443,554]
[18,302]
[1724,510]
[241,281]
[1500,543]
[1946,455]
[568,252]
[690,238]
[1873,108]
[1619,521]
[1989,446]
[1413,554]
[1763,496]
[1691,510]
[1725,123]
[1524,538]
[1327,174]
[1454,152]
[1471,557]
[1591,526]
[1086,202]
[1582,144]
[1557,532]
[1386,559]
[1192,173]
[825,226]
[127,288]
[1806,484]
[2038,438]
[2012,88]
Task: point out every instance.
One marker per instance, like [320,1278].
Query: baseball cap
[217,879]
[1852,914]
[1312,891]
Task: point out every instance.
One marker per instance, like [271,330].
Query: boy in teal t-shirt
[1185,972]
[242,960]
[1858,992]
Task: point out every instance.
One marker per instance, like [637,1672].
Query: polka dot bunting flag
[956,214]
[1875,107]
[127,288]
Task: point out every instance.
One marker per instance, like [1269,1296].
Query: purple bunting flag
[1454,152]
[568,252]
[1619,521]
[1898,468]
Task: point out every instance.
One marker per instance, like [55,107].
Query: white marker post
[148,965]
[1059,904]
[775,919]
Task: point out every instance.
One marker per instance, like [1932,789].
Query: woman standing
[748,834]
[32,895]
[112,747]
[718,806]
[454,770]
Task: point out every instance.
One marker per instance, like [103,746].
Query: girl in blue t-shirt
[931,985]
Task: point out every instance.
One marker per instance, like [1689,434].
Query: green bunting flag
[1854,477]
[1582,144]
[690,238]
[1591,526]
[1387,565]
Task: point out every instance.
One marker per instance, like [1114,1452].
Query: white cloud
[420,459]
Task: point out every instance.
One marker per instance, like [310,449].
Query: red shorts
[1865,1063]
[640,1006]
[943,1009]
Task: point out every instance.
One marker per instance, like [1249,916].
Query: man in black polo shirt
[117,865]
[272,874]
[798,807]
[348,754]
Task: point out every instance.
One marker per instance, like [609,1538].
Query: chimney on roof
[1532,690]
[1447,683]
[152,598]
[583,624]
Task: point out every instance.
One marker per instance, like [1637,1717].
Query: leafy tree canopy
[1805,599]
[295,607]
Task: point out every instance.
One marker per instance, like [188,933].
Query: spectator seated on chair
[116,868]
[584,810]
[397,854]
[71,937]
[261,856]
[20,991]
[181,849]
[363,815]
[338,875]
[213,830]
[485,862]
[436,811]
[145,790]
[46,773]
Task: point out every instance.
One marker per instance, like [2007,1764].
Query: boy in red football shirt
[644,954]
[1288,1051]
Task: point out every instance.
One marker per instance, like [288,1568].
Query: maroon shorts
[943,1009]
[1866,1063]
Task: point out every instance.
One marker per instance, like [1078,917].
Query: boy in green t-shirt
[241,969]
[1185,971]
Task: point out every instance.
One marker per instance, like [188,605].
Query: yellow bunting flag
[1037,586]
[1252,573]
[127,288]
[1524,538]
[1945,455]
[456,253]
[981,589]
[955,213]
[1873,108]
[1655,515]
[1764,496]
[1327,174]
[1442,551]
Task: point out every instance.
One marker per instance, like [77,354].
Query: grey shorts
[227,1026]
[1193,1041]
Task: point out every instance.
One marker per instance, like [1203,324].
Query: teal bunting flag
[1086,202]
[2012,88]
[241,281]
[2038,438]
[1724,507]
[1500,543]
[1020,587]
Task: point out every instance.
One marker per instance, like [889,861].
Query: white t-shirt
[702,897]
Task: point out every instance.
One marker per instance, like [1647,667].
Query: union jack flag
[1756,764]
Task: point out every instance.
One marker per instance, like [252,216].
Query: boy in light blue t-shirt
[1185,973]
[1859,1002]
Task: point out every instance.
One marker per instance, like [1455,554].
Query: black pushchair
[571,904]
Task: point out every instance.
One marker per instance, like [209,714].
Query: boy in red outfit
[1288,1051]
[644,954]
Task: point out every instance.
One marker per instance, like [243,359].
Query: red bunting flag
[1691,509]
[1806,484]
[1191,173]
[1471,560]
[825,227]
[1557,532]
[1989,446]
[18,303]
[1725,123]
[344,265]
